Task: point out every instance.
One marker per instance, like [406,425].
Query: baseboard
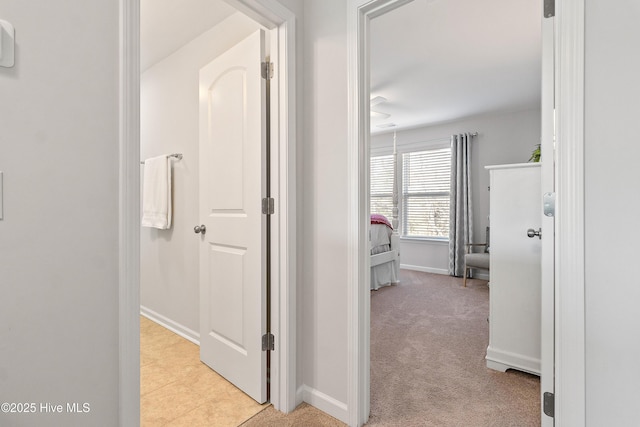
[424,269]
[325,403]
[175,327]
[502,360]
[482,276]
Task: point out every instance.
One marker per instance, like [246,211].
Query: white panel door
[232,184]
[547,291]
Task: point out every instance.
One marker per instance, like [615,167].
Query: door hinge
[548,404]
[267,70]
[549,8]
[549,204]
[268,342]
[268,206]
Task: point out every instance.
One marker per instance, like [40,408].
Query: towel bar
[178,156]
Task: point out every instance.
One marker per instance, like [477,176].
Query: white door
[232,184]
[547,296]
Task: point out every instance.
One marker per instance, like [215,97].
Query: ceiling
[441,60]
[433,60]
[167,25]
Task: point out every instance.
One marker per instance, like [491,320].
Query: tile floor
[176,389]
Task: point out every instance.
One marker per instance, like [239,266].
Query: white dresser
[514,293]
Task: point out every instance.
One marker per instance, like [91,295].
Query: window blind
[381,185]
[426,177]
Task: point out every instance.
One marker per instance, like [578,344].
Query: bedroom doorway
[360,85]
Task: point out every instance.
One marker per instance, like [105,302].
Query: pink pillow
[380,219]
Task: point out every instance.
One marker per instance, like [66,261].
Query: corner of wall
[325,403]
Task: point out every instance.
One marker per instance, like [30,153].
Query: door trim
[360,13]
[129,214]
[570,389]
[569,257]
[547,182]
[274,16]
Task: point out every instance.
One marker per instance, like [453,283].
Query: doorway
[360,21]
[280,22]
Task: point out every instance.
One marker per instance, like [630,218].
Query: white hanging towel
[156,193]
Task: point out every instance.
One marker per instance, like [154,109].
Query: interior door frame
[360,13]
[281,22]
[569,338]
[547,184]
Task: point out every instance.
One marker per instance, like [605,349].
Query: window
[424,198]
[381,185]
[426,177]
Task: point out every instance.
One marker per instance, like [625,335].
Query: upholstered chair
[476,259]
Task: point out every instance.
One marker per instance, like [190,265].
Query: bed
[385,253]
[384,238]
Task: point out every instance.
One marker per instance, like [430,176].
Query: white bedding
[380,238]
[387,273]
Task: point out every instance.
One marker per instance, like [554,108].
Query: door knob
[200,229]
[533,233]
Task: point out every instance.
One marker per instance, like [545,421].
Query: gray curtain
[461,217]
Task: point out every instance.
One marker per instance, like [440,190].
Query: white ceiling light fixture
[377,100]
[386,125]
[379,115]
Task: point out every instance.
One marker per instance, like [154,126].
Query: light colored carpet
[429,337]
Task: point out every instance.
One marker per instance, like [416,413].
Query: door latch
[549,204]
[531,233]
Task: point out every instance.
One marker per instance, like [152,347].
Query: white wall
[169,102]
[59,235]
[612,211]
[324,212]
[502,138]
